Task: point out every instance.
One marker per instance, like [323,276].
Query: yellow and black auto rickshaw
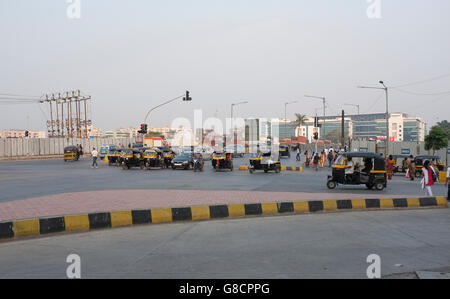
[400,165]
[359,168]
[113,156]
[284,151]
[132,158]
[167,156]
[153,159]
[435,161]
[264,161]
[70,153]
[222,160]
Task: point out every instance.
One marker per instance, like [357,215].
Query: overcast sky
[132,55]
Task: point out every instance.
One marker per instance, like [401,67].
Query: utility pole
[234,133]
[343,128]
[385,88]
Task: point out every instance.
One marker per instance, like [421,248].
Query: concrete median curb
[76,223]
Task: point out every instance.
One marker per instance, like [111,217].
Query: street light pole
[386,90]
[232,124]
[357,106]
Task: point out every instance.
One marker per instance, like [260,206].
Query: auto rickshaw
[70,153]
[222,160]
[132,158]
[167,156]
[153,158]
[284,151]
[264,161]
[113,156]
[434,160]
[369,170]
[400,163]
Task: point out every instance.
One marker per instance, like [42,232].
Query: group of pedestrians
[318,159]
[429,172]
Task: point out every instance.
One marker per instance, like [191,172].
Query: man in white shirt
[94,158]
[447,183]
[350,170]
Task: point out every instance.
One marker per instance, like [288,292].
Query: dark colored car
[183,161]
[284,151]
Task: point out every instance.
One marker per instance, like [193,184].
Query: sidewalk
[27,158]
[121,200]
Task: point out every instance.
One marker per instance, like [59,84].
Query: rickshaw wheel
[251,170]
[379,186]
[331,184]
[277,170]
[124,166]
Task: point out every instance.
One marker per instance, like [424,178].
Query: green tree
[445,125]
[436,139]
[300,119]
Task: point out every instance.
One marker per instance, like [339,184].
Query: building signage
[406,151]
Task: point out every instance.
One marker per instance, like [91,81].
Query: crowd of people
[318,159]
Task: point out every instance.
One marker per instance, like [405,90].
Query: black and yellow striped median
[47,226]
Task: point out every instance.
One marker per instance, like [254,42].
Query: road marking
[237,210]
[386,203]
[26,228]
[359,204]
[161,215]
[74,223]
[200,213]
[269,208]
[329,205]
[121,219]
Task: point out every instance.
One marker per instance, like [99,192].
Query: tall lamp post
[385,88]
[232,123]
[324,110]
[186,98]
[285,114]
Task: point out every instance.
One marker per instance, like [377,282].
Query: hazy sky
[132,55]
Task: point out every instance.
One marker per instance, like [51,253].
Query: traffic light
[316,122]
[187,98]
[143,129]
[27,133]
[316,136]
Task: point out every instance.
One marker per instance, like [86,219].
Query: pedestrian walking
[447,184]
[428,178]
[322,159]
[298,157]
[330,158]
[390,167]
[316,161]
[94,158]
[411,168]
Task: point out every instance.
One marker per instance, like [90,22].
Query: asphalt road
[334,245]
[28,179]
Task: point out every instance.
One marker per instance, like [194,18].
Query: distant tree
[437,139]
[445,125]
[300,119]
[335,135]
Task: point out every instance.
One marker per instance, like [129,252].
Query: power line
[423,81]
[420,94]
